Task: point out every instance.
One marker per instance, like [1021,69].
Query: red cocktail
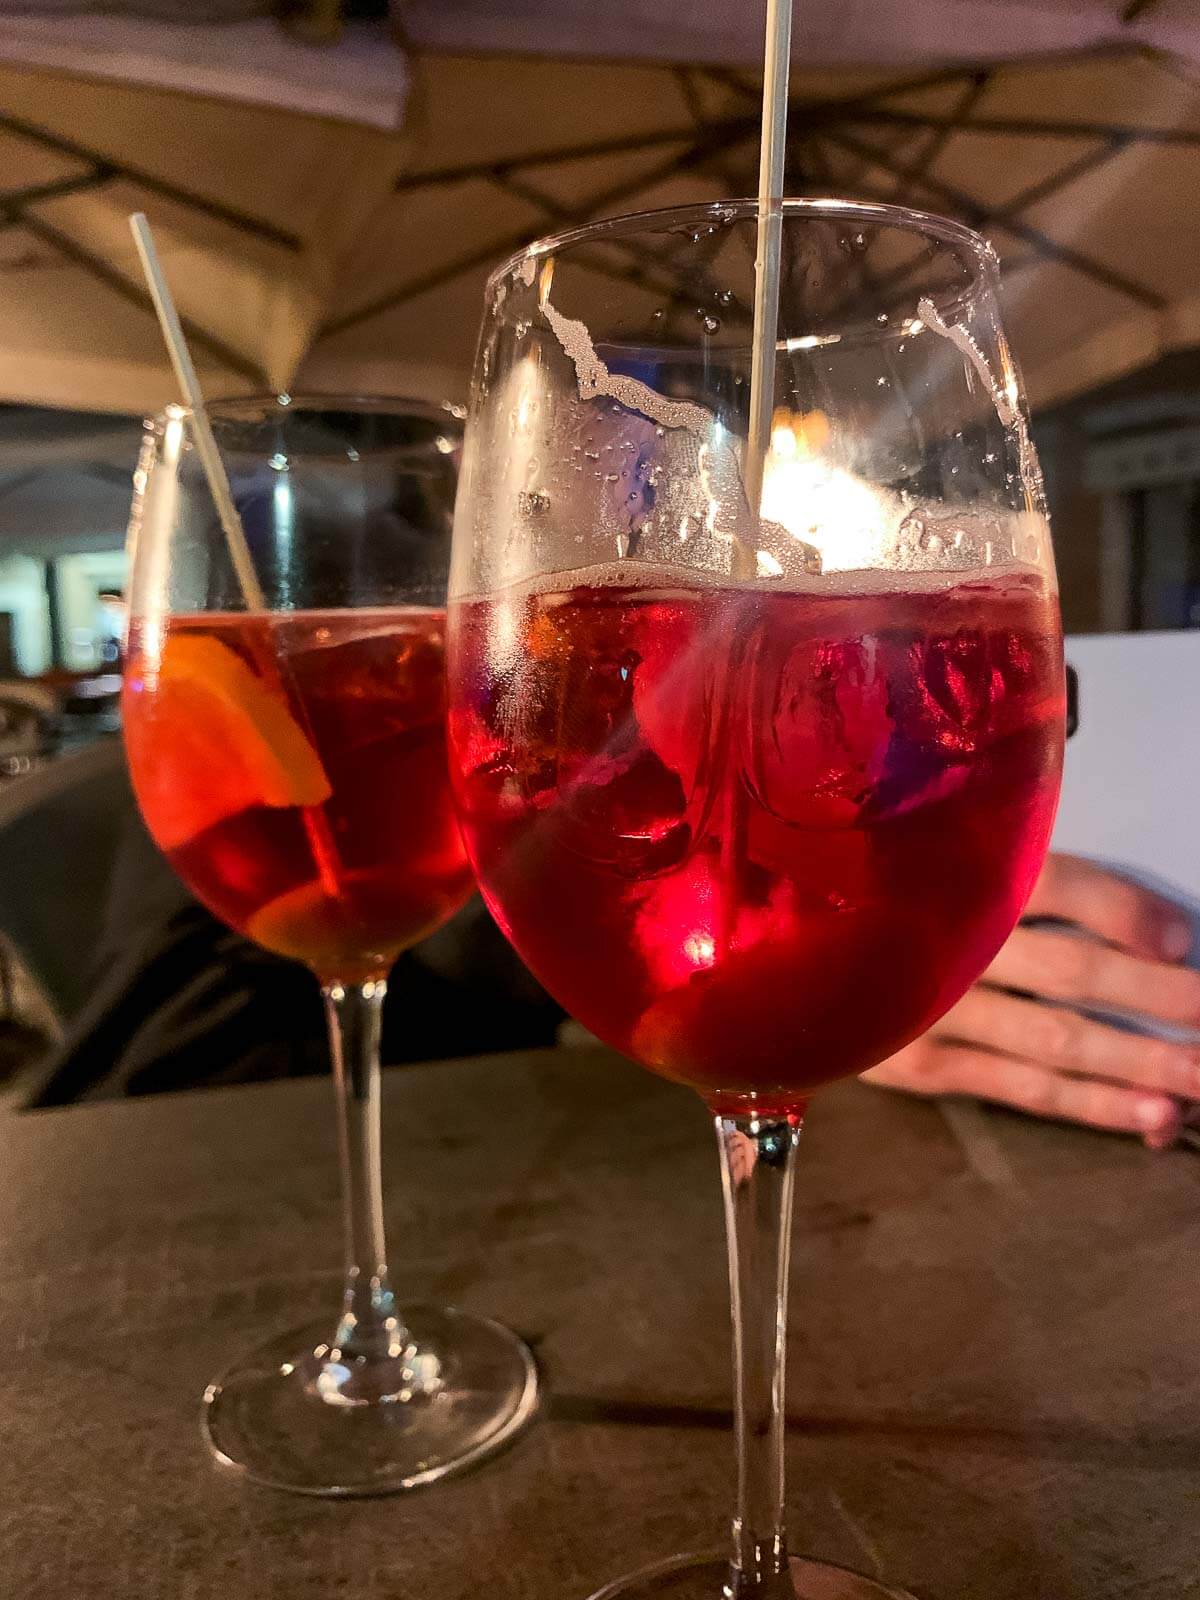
[293,768]
[756,688]
[758,839]
[284,710]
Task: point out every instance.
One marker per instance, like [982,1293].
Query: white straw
[776,60]
[189,383]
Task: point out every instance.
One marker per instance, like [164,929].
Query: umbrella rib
[147,180]
[857,108]
[119,284]
[865,108]
[810,115]
[13,201]
[686,79]
[938,137]
[636,272]
[1066,175]
[1011,265]
[849,183]
[892,282]
[867,100]
[864,98]
[558,213]
[861,107]
[496,251]
[1031,127]
[555,156]
[433,279]
[983,216]
[729,79]
[906,175]
[868,282]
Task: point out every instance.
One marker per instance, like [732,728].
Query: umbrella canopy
[867,31]
[308,252]
[1081,171]
[253,206]
[229,49]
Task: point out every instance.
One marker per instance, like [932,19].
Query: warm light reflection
[284,514]
[810,341]
[820,503]
[700,949]
[172,435]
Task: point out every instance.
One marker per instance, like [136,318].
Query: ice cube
[814,724]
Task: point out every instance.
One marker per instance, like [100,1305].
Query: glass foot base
[707,1578]
[290,1416]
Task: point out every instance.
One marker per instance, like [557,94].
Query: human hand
[1049,1060]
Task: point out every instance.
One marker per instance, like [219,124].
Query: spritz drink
[292,766]
[758,838]
[756,689]
[284,714]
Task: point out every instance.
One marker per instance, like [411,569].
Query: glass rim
[908,218]
[258,406]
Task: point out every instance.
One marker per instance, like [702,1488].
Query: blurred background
[331,180]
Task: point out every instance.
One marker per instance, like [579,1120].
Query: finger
[955,1069]
[1062,966]
[1045,1093]
[918,1068]
[1123,913]
[1049,1036]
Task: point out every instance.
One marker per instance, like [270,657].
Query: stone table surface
[995,1341]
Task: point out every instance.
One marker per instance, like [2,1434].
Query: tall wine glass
[290,762]
[756,798]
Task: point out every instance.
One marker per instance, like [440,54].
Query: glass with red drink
[290,760]
[756,794]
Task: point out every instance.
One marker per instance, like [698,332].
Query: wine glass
[288,756]
[756,796]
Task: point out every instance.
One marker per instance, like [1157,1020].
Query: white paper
[1132,773]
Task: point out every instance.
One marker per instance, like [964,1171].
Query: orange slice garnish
[208,738]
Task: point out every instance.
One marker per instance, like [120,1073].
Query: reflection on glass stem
[758,1168]
[370,1330]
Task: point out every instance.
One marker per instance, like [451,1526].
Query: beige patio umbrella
[253,206]
[1082,170]
[311,251]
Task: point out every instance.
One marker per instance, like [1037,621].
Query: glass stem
[757,1171]
[369,1329]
